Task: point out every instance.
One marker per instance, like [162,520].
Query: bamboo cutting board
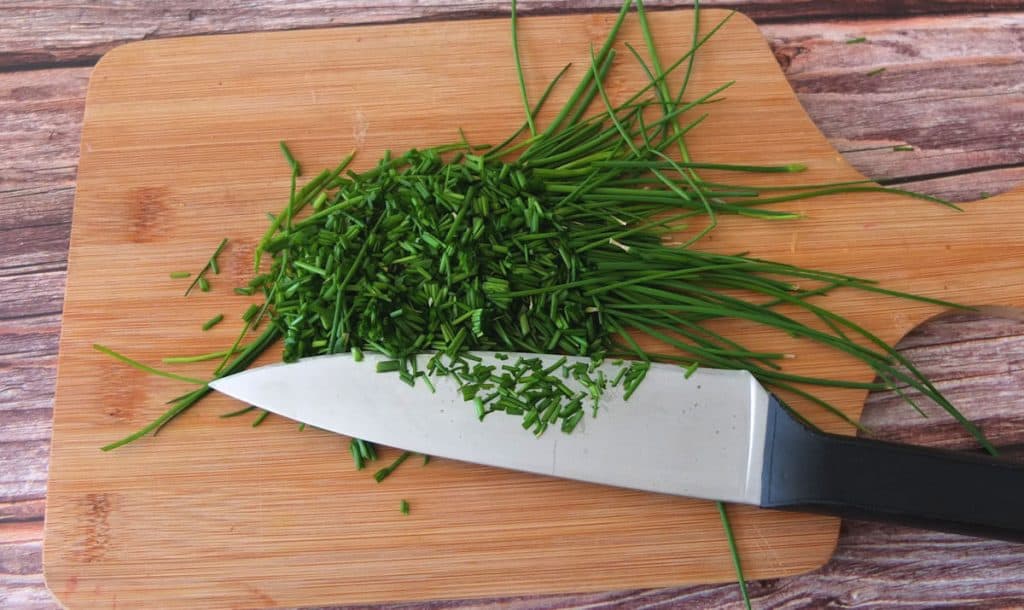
[179,149]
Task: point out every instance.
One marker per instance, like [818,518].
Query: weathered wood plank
[21,579]
[41,114]
[28,362]
[42,33]
[23,468]
[34,293]
[950,89]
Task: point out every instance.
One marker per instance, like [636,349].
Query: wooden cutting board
[179,149]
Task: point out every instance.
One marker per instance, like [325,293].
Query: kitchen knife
[715,434]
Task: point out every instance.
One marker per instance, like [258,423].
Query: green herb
[178,275]
[144,367]
[241,411]
[211,264]
[184,403]
[201,357]
[519,72]
[734,552]
[875,72]
[259,419]
[857,40]
[362,452]
[215,320]
[902,147]
[385,472]
[403,506]
[250,313]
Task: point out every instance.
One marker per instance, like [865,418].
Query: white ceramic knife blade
[716,434]
[701,437]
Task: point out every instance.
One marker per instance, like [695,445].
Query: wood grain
[40,114]
[40,33]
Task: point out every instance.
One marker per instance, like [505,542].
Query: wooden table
[953,89]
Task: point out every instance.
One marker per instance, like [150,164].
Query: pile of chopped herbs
[570,237]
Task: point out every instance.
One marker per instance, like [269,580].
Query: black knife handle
[811,471]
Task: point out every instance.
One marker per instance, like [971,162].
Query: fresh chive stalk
[211,265]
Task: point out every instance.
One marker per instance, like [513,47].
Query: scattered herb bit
[857,40]
[178,275]
[214,321]
[250,312]
[365,449]
[362,452]
[201,357]
[290,158]
[259,419]
[241,411]
[875,72]
[404,507]
[903,147]
[385,472]
[734,552]
[984,195]
[389,366]
[201,280]
[145,367]
[426,459]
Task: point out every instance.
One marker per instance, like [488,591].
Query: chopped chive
[241,411]
[734,553]
[403,506]
[259,420]
[215,320]
[385,472]
[875,72]
[857,40]
[357,455]
[903,147]
[388,366]
[143,367]
[250,312]
[211,264]
[178,275]
[202,357]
